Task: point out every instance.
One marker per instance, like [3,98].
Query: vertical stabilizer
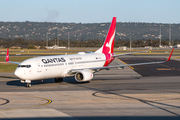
[7,58]
[108,46]
[7,55]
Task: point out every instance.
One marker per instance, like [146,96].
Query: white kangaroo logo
[109,44]
[7,57]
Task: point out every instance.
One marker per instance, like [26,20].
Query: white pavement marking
[34,113]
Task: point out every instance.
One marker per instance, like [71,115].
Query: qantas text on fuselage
[53,60]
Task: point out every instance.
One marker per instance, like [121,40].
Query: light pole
[47,39]
[58,37]
[170,35]
[68,41]
[130,43]
[160,36]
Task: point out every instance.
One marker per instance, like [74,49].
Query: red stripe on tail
[7,55]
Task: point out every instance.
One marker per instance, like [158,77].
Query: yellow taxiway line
[48,102]
[125,63]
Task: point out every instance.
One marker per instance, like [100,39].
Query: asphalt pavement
[146,92]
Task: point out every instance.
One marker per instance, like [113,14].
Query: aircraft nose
[18,73]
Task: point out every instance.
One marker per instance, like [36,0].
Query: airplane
[82,65]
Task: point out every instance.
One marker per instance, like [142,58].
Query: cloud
[52,16]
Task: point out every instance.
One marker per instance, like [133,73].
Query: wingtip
[170,55]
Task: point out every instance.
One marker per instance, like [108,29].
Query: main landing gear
[58,80]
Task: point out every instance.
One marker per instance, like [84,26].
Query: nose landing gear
[28,85]
[28,82]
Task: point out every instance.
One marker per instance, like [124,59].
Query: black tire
[58,80]
[87,82]
[28,85]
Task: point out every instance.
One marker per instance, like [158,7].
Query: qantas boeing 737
[82,65]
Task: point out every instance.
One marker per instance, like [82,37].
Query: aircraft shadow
[70,80]
[17,82]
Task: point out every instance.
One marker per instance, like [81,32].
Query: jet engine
[83,76]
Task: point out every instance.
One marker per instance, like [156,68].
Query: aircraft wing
[95,69]
[128,53]
[7,58]
[116,66]
[89,52]
[121,66]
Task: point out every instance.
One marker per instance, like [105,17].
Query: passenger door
[39,67]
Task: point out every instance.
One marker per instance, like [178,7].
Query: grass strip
[6,68]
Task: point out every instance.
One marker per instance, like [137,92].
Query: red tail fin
[7,55]
[108,46]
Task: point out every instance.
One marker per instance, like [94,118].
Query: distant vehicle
[82,65]
[55,47]
[177,46]
[122,48]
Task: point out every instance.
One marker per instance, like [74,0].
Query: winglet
[7,55]
[170,55]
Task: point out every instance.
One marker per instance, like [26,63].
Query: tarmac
[133,93]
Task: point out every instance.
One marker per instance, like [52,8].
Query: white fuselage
[57,66]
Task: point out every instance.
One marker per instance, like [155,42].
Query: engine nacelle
[83,76]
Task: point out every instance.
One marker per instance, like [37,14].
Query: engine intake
[83,76]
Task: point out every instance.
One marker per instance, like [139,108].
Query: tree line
[85,31]
[31,44]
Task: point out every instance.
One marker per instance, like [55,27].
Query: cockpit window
[24,66]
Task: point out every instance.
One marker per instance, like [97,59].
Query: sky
[90,11]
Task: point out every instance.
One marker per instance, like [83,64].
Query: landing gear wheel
[28,85]
[87,82]
[58,80]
